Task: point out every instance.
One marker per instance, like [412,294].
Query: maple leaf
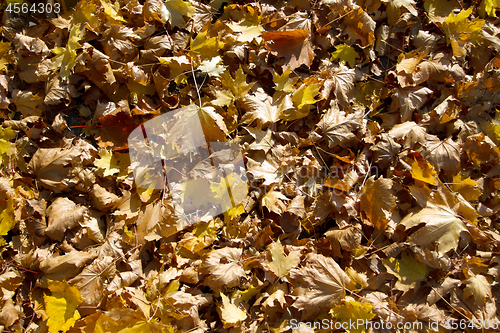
[115,130]
[341,81]
[345,53]
[263,139]
[206,47]
[377,201]
[63,214]
[223,267]
[442,226]
[107,163]
[343,239]
[7,218]
[409,99]
[459,30]
[479,287]
[445,155]
[230,313]
[394,9]
[92,280]
[438,10]
[273,200]
[261,107]
[359,25]
[337,127]
[351,311]
[322,284]
[6,147]
[303,97]
[488,7]
[172,11]
[280,263]
[293,45]
[283,82]
[466,186]
[65,58]
[50,165]
[5,58]
[271,168]
[409,271]
[247,32]
[212,67]
[423,171]
[236,89]
[61,306]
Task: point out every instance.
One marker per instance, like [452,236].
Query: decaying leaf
[321,284]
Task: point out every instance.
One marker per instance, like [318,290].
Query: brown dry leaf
[223,267]
[27,103]
[479,288]
[274,201]
[66,266]
[102,199]
[340,80]
[445,155]
[52,166]
[377,201]
[293,45]
[337,127]
[347,239]
[262,108]
[319,285]
[442,226]
[92,280]
[63,214]
[409,99]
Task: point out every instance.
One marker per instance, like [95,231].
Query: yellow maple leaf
[61,306]
[107,162]
[66,56]
[206,47]
[280,263]
[488,7]
[423,171]
[408,270]
[176,9]
[459,30]
[5,58]
[305,94]
[351,311]
[237,86]
[465,186]
[6,148]
[283,81]
[7,220]
[112,10]
[230,313]
[345,53]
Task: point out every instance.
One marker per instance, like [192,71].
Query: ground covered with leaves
[369,133]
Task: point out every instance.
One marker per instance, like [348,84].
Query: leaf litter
[369,131]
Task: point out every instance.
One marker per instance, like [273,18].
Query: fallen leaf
[293,45]
[320,284]
[61,306]
[377,201]
[281,264]
[63,214]
[230,313]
